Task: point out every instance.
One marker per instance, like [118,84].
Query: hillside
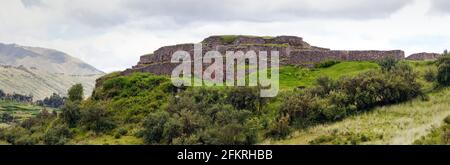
[48,60]
[41,72]
[40,83]
[396,124]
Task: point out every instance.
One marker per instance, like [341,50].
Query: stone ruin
[292,51]
[423,56]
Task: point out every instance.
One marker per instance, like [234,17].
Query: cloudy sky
[112,34]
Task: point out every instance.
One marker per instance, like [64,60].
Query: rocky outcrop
[423,56]
[292,51]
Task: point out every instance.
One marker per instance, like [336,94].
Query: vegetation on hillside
[438,136]
[142,108]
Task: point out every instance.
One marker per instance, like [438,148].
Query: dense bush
[303,109]
[94,117]
[387,63]
[281,128]
[447,120]
[443,74]
[70,113]
[16,135]
[430,75]
[326,64]
[57,135]
[6,117]
[333,100]
[372,88]
[203,116]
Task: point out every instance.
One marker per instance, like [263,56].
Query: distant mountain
[41,72]
[49,60]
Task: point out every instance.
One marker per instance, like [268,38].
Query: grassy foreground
[397,124]
[20,111]
[293,77]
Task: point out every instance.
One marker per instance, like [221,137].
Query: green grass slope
[292,77]
[20,111]
[396,124]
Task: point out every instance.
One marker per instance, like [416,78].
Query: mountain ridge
[40,71]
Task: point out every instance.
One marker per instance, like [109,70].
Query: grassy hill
[402,123]
[292,77]
[396,124]
[146,109]
[20,111]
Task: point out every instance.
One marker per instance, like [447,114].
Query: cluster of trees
[207,116]
[57,129]
[54,101]
[15,97]
[333,100]
[31,131]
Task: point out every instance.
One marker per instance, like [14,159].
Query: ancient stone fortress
[292,51]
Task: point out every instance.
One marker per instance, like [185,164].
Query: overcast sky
[112,34]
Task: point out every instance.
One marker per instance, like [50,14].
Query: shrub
[330,100]
[387,63]
[447,120]
[154,127]
[229,134]
[280,129]
[94,117]
[202,116]
[6,117]
[326,64]
[122,131]
[323,87]
[57,135]
[303,109]
[375,88]
[13,134]
[70,113]
[26,140]
[443,74]
[243,98]
[430,75]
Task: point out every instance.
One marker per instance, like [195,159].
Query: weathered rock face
[292,51]
[423,56]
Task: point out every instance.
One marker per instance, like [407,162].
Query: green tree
[443,74]
[76,93]
[387,63]
[57,135]
[70,113]
[154,127]
[96,118]
[2,94]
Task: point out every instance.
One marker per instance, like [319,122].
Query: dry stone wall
[423,56]
[292,51]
